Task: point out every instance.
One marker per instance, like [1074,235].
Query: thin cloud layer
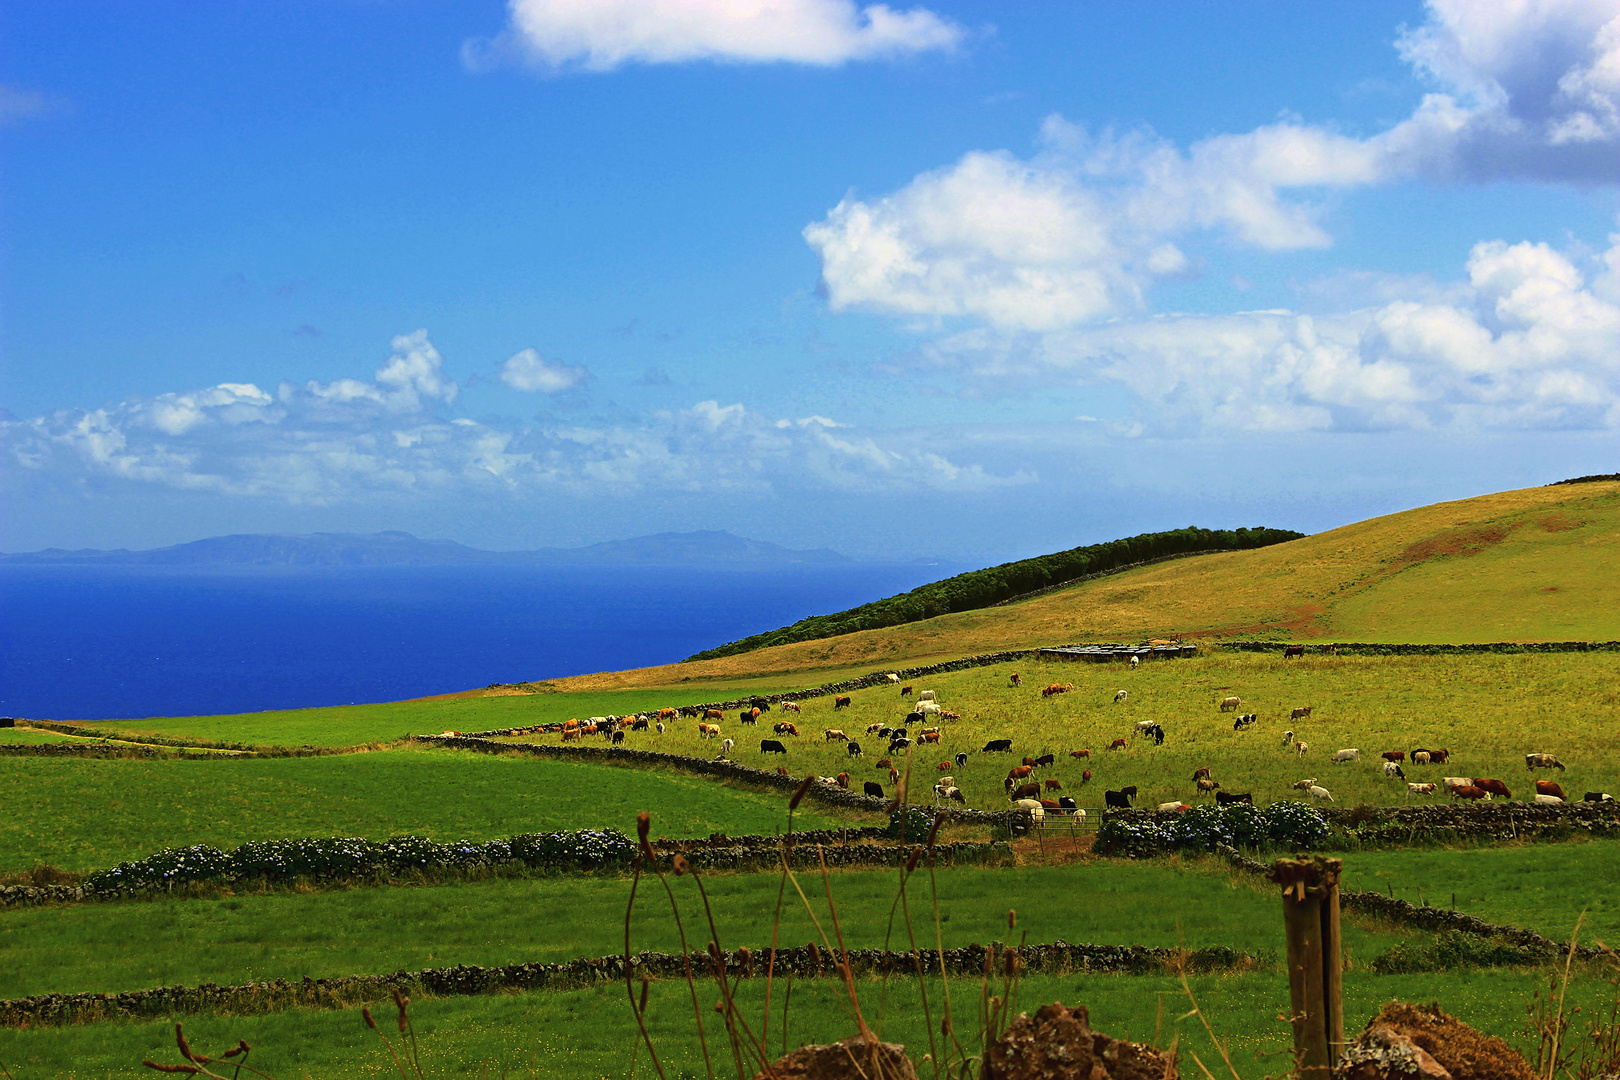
[1529,344]
[601,35]
[529,372]
[324,443]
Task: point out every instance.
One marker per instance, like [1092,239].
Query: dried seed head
[643,826]
[1012,963]
[815,957]
[934,831]
[404,1003]
[989,959]
[646,985]
[719,1006]
[945,1027]
[681,865]
[793,803]
[370,1023]
[746,958]
[188,1070]
[239,1049]
[1012,918]
[916,857]
[185,1047]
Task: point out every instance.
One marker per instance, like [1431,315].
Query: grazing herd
[1030,784]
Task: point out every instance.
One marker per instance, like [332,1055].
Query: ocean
[109,642]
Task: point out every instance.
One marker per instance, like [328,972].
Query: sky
[964,281]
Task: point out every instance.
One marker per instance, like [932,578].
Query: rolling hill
[1537,564]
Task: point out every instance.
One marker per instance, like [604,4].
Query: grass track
[589,1033]
[88,814]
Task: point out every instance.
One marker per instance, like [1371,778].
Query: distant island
[402,549]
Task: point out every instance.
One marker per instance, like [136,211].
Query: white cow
[1342,756]
[1303,746]
[1305,785]
[892,677]
[1036,810]
[1144,726]
[1135,660]
[1392,770]
[1322,793]
[725,747]
[926,695]
[1120,696]
[1450,782]
[660,727]
[929,708]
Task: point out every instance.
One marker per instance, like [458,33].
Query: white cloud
[345,440]
[1527,343]
[527,371]
[600,35]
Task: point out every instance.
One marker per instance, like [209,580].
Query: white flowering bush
[1283,824]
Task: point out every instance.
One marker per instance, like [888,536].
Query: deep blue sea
[119,642]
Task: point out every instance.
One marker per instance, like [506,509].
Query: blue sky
[961,280]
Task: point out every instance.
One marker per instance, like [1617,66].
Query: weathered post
[1310,897]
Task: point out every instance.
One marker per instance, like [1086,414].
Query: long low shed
[1102,654]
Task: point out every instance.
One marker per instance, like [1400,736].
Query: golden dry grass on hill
[1531,565]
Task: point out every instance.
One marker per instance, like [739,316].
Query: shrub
[1283,824]
[910,823]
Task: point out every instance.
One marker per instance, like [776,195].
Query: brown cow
[708,731]
[1300,713]
[1201,773]
[1057,688]
[894,776]
[1027,791]
[841,701]
[785,727]
[1117,744]
[1468,791]
[666,714]
[905,691]
[1550,787]
[1054,785]
[1078,754]
[842,780]
[1016,679]
[1020,772]
[1085,777]
[944,766]
[1205,784]
[570,725]
[928,737]
[712,714]
[1393,755]
[885,763]
[1495,787]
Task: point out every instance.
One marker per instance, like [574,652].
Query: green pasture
[354,725]
[83,814]
[590,1033]
[31,736]
[237,939]
[1489,710]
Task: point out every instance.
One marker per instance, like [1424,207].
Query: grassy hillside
[1530,565]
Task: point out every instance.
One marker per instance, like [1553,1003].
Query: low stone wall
[1361,648]
[803,962]
[1495,820]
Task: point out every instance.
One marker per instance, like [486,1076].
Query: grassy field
[1563,703]
[1529,565]
[237,939]
[590,1032]
[89,814]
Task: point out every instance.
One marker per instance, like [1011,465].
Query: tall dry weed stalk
[196,1063]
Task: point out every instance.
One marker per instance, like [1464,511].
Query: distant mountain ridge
[707,547]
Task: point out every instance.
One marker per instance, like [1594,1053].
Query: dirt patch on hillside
[1463,542]
[1301,620]
[1559,522]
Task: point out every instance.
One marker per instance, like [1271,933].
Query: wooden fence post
[1310,897]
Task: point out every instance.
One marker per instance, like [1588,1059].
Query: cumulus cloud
[600,35]
[322,443]
[528,371]
[1526,343]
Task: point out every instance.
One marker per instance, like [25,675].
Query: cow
[1303,746]
[661,728]
[1321,793]
[1244,722]
[835,735]
[618,737]
[943,766]
[791,706]
[928,708]
[1069,804]
[1200,772]
[1439,757]
[897,745]
[771,746]
[1420,757]
[1292,651]
[1304,785]
[1392,771]
[875,790]
[762,704]
[875,728]
[885,763]
[1393,755]
[1015,679]
[842,780]
[1542,761]
[1056,688]
[1046,759]
[1288,738]
[1449,782]
[1550,787]
[914,717]
[1120,696]
[1144,726]
[1597,796]
[853,749]
[1129,791]
[712,714]
[1158,735]
[997,746]
[1118,744]
[1469,791]
[841,701]
[892,677]
[905,691]
[1136,661]
[1420,789]
[926,695]
[894,776]
[781,770]
[1085,777]
[1303,712]
[1492,785]
[785,727]
[1116,800]
[1549,800]
[708,731]
[639,724]
[1037,812]
[1340,757]
[1174,807]
[928,737]
[961,758]
[1230,704]
[1078,754]
[1224,799]
[747,717]
[1054,785]
[725,747]
[667,714]
[1019,773]
[1025,791]
[570,725]
[1206,785]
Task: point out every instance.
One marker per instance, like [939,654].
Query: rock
[1057,1043]
[838,1061]
[1408,1041]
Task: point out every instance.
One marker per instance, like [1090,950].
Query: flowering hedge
[1289,825]
[328,857]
